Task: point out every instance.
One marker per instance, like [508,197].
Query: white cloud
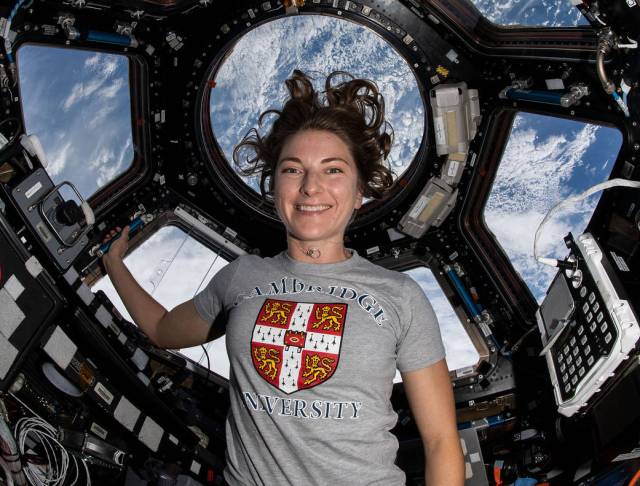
[108,168]
[530,12]
[101,68]
[265,57]
[101,64]
[59,158]
[111,90]
[533,176]
[460,351]
[81,91]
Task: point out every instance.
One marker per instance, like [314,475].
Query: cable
[9,453]
[155,286]
[574,199]
[597,17]
[633,44]
[7,472]
[34,429]
[206,273]
[208,362]
[517,344]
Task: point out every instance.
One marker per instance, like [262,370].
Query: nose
[311,183]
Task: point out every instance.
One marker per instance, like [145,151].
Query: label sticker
[103,393]
[99,431]
[622,265]
[453,168]
[485,329]
[441,136]
[33,189]
[420,205]
[373,249]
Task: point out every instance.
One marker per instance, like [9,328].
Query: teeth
[305,207]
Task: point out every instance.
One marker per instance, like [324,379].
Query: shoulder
[392,277]
[253,263]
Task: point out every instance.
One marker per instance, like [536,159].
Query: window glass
[78,104]
[251,80]
[543,13]
[458,346]
[546,161]
[172,266]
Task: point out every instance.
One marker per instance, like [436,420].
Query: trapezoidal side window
[173,267]
[533,13]
[460,351]
[546,160]
[78,103]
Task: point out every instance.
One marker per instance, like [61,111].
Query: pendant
[313,253]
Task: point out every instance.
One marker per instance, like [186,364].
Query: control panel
[588,325]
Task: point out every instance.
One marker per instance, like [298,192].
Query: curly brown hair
[353,110]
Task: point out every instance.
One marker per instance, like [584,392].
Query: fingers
[115,231]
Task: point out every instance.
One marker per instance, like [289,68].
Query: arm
[179,328]
[431,400]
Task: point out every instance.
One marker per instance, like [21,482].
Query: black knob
[69,213]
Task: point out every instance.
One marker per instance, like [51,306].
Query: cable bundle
[9,456]
[54,472]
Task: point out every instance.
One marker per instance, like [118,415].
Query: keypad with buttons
[589,336]
[588,322]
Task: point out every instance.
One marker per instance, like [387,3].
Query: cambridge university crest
[297,345]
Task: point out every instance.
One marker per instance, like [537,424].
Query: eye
[334,170]
[289,170]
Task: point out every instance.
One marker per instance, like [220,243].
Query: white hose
[574,199]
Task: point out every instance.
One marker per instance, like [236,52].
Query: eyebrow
[323,161]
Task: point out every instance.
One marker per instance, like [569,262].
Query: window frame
[493,39]
[219,168]
[513,289]
[169,219]
[461,376]
[139,119]
[522,26]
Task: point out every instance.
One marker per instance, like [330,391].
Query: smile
[312,208]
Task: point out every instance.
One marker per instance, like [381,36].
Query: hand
[118,247]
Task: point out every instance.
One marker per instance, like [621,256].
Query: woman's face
[316,187]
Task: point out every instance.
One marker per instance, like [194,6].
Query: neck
[316,252]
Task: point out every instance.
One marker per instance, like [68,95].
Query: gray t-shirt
[313,350]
